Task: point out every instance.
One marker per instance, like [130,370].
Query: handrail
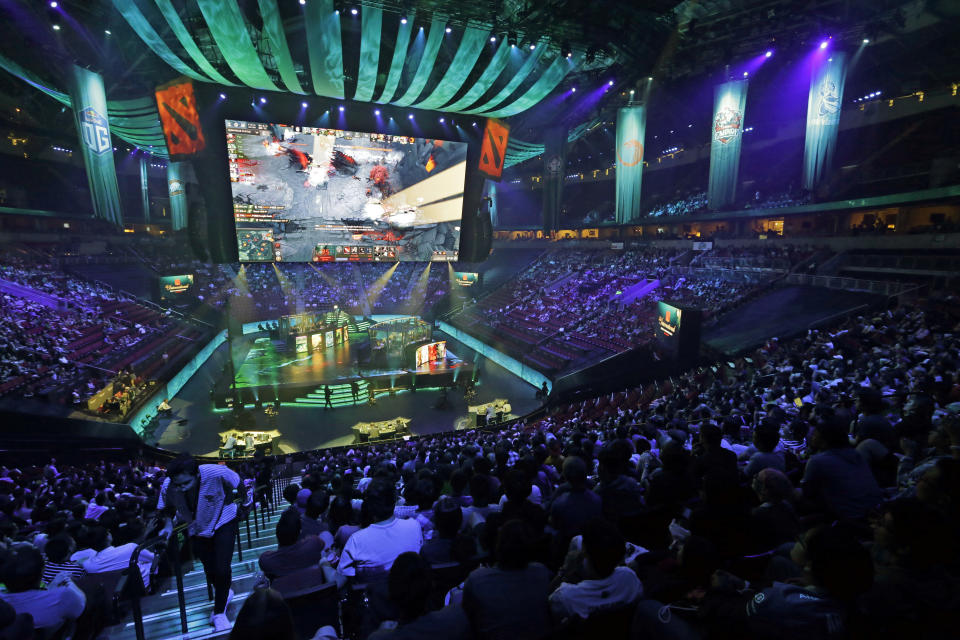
[133,572]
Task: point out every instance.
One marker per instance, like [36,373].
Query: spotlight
[56,27]
[403,20]
[376,112]
[829,59]
[53,4]
[303,2]
[223,96]
[866,41]
[649,78]
[532,46]
[493,38]
[107,31]
[303,104]
[768,54]
[512,38]
[409,116]
[569,54]
[746,73]
[631,92]
[353,11]
[474,124]
[610,83]
[441,120]
[341,108]
[263,101]
[449,30]
[573,89]
[823,45]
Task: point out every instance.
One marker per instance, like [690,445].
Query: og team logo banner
[94,131]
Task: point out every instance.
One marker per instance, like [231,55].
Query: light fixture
[376,112]
[610,83]
[532,46]
[341,108]
[223,96]
[303,2]
[409,116]
[263,101]
[631,91]
[53,4]
[866,41]
[823,45]
[493,38]
[56,27]
[449,30]
[403,20]
[441,120]
[768,54]
[573,89]
[353,11]
[303,104]
[746,73]
[107,31]
[649,78]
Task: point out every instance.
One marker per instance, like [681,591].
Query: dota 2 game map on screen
[303,194]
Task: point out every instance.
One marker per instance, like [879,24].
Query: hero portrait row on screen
[316,194]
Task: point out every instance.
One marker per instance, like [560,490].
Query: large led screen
[314,194]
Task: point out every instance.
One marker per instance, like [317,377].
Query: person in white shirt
[61,602]
[110,558]
[373,549]
[204,495]
[604,583]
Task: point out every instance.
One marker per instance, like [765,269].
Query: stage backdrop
[144,190]
[90,111]
[178,197]
[730,99]
[823,116]
[631,128]
[554,169]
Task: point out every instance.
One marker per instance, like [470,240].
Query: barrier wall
[512,365]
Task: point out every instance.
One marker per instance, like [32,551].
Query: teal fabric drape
[324,48]
[370,28]
[93,129]
[229,30]
[827,78]
[507,90]
[186,41]
[135,18]
[273,28]
[495,67]
[460,67]
[178,196]
[631,129]
[34,81]
[144,190]
[554,169]
[396,64]
[730,99]
[540,89]
[520,151]
[427,62]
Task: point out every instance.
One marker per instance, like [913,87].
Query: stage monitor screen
[668,319]
[466,278]
[175,287]
[431,352]
[316,194]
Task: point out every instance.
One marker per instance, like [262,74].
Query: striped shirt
[51,569]
[214,508]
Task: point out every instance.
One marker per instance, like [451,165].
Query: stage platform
[304,423]
[270,370]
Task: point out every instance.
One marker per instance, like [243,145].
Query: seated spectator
[619,493]
[373,549]
[57,552]
[343,521]
[575,504]
[441,549]
[110,558]
[311,523]
[293,552]
[775,520]
[766,437]
[712,455]
[410,586]
[60,603]
[838,479]
[509,600]
[264,616]
[604,584]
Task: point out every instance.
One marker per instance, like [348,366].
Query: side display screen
[668,319]
[175,287]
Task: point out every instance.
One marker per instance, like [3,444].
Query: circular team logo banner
[554,165]
[632,153]
[175,187]
[95,131]
[727,125]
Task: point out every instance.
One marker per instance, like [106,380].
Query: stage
[269,370]
[304,424]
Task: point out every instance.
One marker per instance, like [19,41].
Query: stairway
[340,395]
[161,612]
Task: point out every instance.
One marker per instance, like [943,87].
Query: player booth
[393,343]
[309,332]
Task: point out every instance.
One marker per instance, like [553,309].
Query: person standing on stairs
[205,496]
[326,397]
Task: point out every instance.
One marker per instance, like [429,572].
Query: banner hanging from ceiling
[493,148]
[144,191]
[90,113]
[823,116]
[631,129]
[554,168]
[730,99]
[178,196]
[177,107]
